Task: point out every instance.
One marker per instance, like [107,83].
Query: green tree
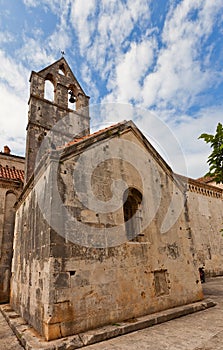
[215,159]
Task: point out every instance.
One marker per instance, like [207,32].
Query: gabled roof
[96,133]
[61,61]
[79,144]
[8,173]
[56,64]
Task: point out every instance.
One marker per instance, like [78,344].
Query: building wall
[12,161]
[31,272]
[6,242]
[63,288]
[205,210]
[9,192]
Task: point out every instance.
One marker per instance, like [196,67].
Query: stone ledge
[30,340]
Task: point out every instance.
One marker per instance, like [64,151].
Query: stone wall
[61,287]
[205,213]
[9,193]
[31,272]
[12,161]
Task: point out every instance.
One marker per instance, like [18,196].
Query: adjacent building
[11,184]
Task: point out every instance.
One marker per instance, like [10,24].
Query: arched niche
[62,70]
[132,212]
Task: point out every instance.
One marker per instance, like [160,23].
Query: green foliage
[215,159]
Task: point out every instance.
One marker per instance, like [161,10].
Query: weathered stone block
[62,280]
[51,331]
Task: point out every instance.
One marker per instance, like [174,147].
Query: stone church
[96,228]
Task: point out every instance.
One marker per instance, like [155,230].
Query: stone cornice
[204,189]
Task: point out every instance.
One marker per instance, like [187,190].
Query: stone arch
[132,212]
[62,70]
[49,88]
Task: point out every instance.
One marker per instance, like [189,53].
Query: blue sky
[164,56]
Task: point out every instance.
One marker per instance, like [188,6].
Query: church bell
[72,98]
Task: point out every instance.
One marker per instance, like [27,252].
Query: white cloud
[56,6]
[131,69]
[60,40]
[34,53]
[40,48]
[89,81]
[178,76]
[13,112]
[81,11]
[103,27]
[178,143]
[13,74]
[176,140]
[6,37]
[13,107]
[187,129]
[30,3]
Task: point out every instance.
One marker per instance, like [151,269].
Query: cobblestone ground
[200,331]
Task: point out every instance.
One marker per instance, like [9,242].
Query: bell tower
[54,93]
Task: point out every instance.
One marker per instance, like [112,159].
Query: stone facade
[69,287]
[11,184]
[104,230]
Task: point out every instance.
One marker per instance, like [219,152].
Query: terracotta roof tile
[205,179]
[11,173]
[91,135]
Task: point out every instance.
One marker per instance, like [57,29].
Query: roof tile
[11,173]
[76,140]
[206,179]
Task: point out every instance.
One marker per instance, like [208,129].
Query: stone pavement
[8,340]
[197,331]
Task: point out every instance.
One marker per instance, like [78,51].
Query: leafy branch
[215,159]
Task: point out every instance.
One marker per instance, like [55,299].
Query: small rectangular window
[161,284]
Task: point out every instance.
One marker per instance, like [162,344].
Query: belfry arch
[49,90]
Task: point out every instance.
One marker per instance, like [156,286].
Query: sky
[164,57]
